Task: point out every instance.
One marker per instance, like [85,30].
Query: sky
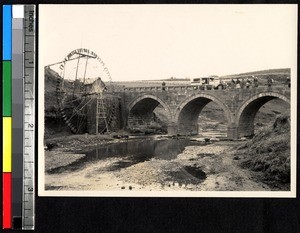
[145,42]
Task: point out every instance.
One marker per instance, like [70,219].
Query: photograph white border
[225,194]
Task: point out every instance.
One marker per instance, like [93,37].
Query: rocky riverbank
[65,150]
[198,168]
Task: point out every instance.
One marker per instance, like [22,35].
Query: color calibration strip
[7,116]
[18,116]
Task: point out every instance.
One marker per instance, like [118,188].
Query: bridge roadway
[183,104]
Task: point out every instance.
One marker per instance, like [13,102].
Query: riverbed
[157,164]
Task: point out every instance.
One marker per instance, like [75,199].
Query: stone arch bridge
[183,104]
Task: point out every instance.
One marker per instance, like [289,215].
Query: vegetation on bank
[268,153]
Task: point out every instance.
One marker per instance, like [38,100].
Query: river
[132,151]
[155,165]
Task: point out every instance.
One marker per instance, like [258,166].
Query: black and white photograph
[167,100]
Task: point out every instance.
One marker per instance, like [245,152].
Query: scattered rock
[207,140]
[214,139]
[189,186]
[50,146]
[202,155]
[120,136]
[123,187]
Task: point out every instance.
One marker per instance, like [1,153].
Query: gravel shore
[198,168]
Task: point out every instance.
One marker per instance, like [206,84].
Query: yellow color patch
[7,146]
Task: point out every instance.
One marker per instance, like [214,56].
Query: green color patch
[7,86]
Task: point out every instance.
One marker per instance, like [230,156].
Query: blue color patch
[7,32]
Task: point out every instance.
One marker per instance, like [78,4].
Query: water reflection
[138,151]
[141,149]
[133,152]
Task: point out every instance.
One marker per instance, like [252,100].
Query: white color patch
[18,11]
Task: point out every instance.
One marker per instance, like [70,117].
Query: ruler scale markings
[29,120]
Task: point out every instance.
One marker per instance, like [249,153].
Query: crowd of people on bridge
[249,82]
[244,83]
[253,82]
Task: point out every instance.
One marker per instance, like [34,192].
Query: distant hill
[172,79]
[261,73]
[286,71]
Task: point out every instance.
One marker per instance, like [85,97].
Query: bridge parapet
[227,95]
[158,88]
[190,88]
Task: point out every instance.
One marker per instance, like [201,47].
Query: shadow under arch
[246,113]
[140,111]
[188,111]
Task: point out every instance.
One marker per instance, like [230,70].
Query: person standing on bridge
[255,81]
[270,81]
[238,84]
[163,86]
[232,84]
[288,81]
[248,83]
[243,83]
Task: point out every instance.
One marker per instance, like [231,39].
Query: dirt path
[197,168]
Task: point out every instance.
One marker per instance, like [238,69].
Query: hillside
[283,71]
[50,93]
[268,153]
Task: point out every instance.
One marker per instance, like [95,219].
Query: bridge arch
[247,111]
[187,112]
[140,111]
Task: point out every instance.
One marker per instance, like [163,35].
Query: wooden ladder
[101,113]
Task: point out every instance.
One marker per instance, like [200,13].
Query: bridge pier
[188,128]
[172,129]
[232,132]
[247,130]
